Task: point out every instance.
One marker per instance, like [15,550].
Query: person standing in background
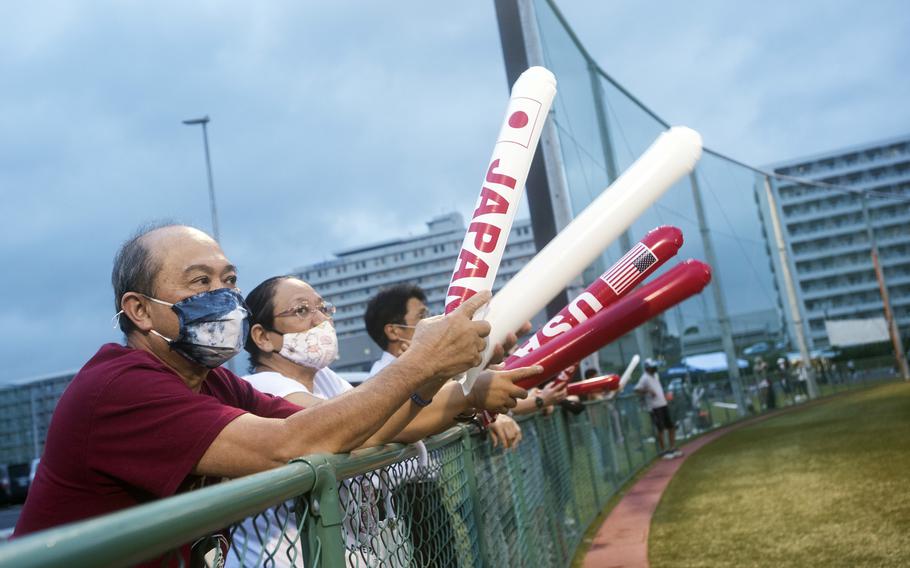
[650,389]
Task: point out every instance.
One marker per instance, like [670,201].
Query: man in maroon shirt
[156,417]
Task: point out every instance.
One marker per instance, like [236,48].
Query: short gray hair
[135,268]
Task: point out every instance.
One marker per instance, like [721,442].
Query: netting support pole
[325,542]
[642,337]
[547,188]
[790,288]
[723,319]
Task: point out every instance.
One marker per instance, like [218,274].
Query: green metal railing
[463,503]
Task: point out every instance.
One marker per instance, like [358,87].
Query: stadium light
[208,168]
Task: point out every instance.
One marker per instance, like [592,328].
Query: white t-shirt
[327,384]
[383,362]
[655,397]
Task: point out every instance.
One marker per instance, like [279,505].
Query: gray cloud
[339,124]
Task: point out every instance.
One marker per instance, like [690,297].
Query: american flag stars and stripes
[624,274]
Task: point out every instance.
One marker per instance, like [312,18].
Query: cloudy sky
[335,124]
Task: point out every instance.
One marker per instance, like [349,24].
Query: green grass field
[828,485]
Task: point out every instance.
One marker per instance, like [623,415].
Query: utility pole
[899,356]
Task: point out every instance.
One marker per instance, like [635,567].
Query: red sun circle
[518,119]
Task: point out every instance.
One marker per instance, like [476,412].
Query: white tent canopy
[710,362]
[848,332]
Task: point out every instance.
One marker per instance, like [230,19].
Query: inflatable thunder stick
[677,284]
[596,384]
[627,374]
[504,182]
[658,246]
[672,156]
[565,375]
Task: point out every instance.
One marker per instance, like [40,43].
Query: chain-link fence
[726,209]
[454,502]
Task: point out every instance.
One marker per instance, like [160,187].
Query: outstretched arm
[493,391]
[441,348]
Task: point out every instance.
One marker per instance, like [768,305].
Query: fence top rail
[368,459]
[139,533]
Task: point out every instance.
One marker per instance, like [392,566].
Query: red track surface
[622,541]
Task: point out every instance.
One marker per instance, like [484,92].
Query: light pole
[208,167]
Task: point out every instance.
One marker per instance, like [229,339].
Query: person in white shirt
[292,342]
[391,318]
[650,389]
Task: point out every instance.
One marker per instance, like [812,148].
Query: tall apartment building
[356,274]
[827,235]
[26,408]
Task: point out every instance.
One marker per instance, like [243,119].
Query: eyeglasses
[303,310]
[420,317]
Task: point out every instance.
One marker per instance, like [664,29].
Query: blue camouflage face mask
[213,326]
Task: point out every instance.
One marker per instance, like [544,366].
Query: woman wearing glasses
[292,342]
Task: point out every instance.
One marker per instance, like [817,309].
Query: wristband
[538,402]
[465,417]
[420,401]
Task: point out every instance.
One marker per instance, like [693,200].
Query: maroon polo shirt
[128,431]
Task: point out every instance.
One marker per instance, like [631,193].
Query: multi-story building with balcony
[356,274]
[26,407]
[827,234]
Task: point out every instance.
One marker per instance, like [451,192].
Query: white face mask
[316,348]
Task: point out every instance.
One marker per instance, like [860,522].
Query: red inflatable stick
[679,283]
[658,246]
[566,374]
[596,384]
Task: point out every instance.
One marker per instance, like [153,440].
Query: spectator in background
[766,384]
[802,378]
[544,398]
[292,342]
[160,415]
[783,375]
[650,389]
[391,318]
[589,373]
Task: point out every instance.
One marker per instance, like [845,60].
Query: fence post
[588,430]
[626,442]
[324,539]
[616,478]
[565,440]
[467,450]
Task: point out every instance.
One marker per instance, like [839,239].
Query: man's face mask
[316,348]
[213,326]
